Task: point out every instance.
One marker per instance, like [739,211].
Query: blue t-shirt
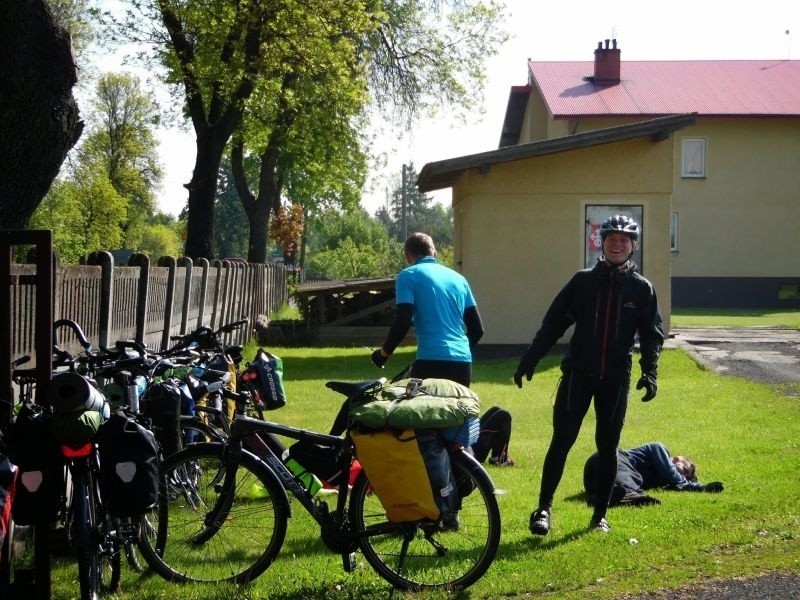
[439,296]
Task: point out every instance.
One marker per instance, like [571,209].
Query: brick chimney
[606,63]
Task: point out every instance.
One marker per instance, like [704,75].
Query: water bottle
[136,388]
[310,481]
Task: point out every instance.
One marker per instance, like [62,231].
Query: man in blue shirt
[439,303]
[643,468]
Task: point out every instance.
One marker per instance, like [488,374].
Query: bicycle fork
[225,486]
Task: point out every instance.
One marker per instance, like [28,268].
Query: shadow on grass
[329,365]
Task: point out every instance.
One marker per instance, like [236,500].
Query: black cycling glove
[527,364]
[713,487]
[648,382]
[379,359]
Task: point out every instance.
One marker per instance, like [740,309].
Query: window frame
[690,146]
[673,232]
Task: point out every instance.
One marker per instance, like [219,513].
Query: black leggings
[575,393]
[495,434]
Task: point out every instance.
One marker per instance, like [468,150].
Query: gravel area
[770,586]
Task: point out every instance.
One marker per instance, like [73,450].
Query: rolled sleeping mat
[70,392]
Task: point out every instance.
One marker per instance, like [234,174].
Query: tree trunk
[258,218]
[202,191]
[39,118]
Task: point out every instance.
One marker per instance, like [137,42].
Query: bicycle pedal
[349,562]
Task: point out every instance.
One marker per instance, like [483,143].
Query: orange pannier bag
[396,470]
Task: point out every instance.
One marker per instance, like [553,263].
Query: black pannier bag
[37,455]
[161,404]
[129,470]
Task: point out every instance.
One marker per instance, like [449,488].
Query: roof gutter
[444,173]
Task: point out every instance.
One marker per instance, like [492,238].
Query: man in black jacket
[646,467]
[608,304]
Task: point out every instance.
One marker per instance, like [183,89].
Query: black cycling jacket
[608,307]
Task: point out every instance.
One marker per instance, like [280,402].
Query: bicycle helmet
[619,224]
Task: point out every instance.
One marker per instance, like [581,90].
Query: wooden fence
[147,303]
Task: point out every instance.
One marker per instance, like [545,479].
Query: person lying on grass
[643,468]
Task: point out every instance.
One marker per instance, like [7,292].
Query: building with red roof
[705,154]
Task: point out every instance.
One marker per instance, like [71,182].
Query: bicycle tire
[465,554]
[110,569]
[176,541]
[132,557]
[83,523]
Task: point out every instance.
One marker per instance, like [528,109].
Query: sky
[551,31]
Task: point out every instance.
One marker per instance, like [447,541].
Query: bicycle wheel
[210,528]
[83,535]
[418,556]
[110,568]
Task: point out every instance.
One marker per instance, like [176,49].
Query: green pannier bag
[418,404]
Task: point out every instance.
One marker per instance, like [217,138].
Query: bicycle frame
[244,435]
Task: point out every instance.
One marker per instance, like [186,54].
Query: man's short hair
[420,244]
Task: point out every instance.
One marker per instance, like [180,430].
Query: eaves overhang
[444,173]
[346,286]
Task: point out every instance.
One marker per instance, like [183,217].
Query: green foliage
[427,56]
[351,244]
[159,240]
[445,255]
[85,214]
[285,312]
[60,210]
[105,200]
[741,433]
[350,260]
[122,141]
[293,80]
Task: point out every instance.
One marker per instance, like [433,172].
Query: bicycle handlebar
[204,337]
[76,329]
[232,326]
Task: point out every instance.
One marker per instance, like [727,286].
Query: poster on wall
[595,215]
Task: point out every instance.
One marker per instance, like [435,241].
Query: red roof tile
[652,88]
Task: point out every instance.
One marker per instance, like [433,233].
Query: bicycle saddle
[354,389]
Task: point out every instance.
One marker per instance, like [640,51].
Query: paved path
[763,354]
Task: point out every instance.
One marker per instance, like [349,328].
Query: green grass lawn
[744,434]
[688,317]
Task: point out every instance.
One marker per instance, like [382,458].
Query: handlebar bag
[128,466]
[32,447]
[396,470]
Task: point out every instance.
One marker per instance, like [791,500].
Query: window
[673,232]
[693,159]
